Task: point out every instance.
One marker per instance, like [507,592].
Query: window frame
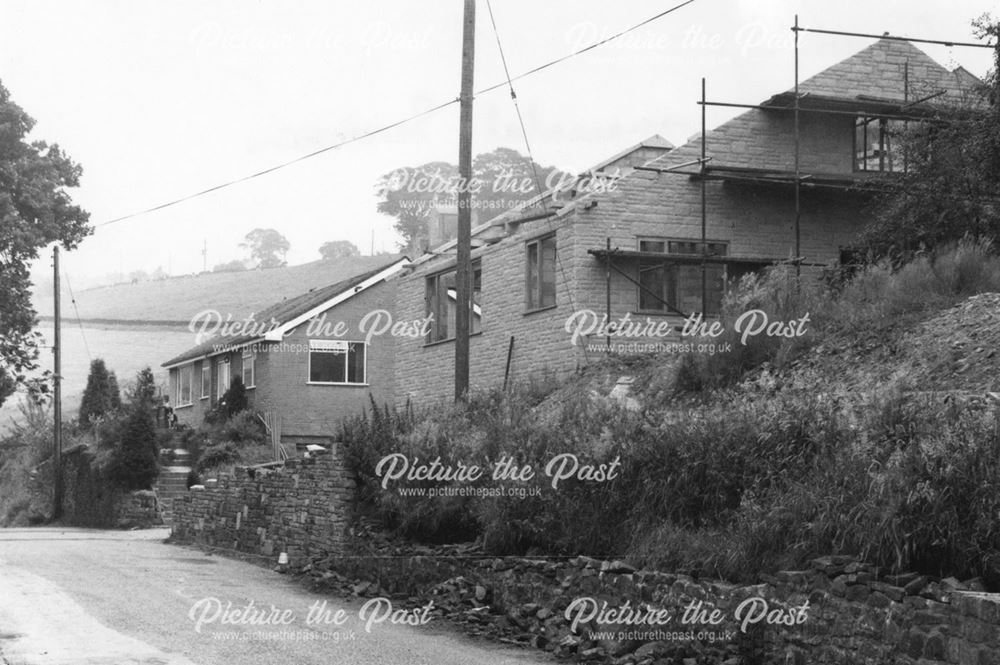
[206,371]
[315,346]
[223,386]
[670,279]
[431,295]
[248,354]
[892,157]
[179,396]
[535,290]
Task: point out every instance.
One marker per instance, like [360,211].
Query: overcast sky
[160,99]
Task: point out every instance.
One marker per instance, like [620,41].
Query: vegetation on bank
[734,465]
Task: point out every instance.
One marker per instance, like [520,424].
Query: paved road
[87,597]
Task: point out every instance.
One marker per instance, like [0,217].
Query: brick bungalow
[309,361]
[537,265]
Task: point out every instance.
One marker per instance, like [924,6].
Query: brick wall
[309,412]
[754,221]
[301,508]
[425,372]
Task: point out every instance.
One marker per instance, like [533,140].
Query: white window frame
[248,354]
[180,401]
[327,345]
[223,386]
[206,369]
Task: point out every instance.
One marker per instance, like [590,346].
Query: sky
[158,100]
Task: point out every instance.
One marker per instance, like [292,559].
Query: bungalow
[309,360]
[626,239]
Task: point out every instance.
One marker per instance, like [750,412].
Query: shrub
[101,396]
[134,467]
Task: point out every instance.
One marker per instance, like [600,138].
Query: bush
[101,396]
[134,466]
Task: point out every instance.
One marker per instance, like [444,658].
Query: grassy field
[125,350]
[177,299]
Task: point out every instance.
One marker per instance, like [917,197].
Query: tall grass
[752,479]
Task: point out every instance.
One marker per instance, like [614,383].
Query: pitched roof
[879,71]
[284,312]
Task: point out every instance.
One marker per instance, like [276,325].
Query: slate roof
[281,312]
[877,71]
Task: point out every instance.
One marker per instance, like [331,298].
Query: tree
[502,179]
[35,211]
[134,466]
[267,247]
[951,187]
[339,249]
[142,393]
[231,266]
[101,394]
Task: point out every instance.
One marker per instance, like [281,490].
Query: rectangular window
[540,273]
[222,375]
[667,286]
[337,362]
[249,368]
[184,378]
[206,380]
[442,298]
[878,145]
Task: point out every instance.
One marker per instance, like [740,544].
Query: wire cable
[393,125]
[527,144]
[72,299]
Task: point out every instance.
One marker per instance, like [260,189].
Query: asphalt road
[88,597]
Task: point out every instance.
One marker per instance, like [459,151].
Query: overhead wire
[397,123]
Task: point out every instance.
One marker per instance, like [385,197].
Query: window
[442,298]
[184,377]
[206,380]
[223,377]
[335,361]
[249,368]
[540,273]
[878,145]
[678,284]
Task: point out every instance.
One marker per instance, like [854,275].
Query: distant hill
[175,300]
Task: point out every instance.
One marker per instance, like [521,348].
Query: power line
[72,299]
[527,144]
[513,97]
[393,125]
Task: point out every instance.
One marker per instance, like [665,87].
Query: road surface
[88,597]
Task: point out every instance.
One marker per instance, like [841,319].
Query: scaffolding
[862,108]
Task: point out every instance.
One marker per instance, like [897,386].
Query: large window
[249,368]
[222,372]
[668,286]
[878,145]
[206,379]
[442,298]
[540,273]
[336,362]
[185,375]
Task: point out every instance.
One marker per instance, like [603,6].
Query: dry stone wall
[301,508]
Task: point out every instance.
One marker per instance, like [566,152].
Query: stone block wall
[852,615]
[301,508]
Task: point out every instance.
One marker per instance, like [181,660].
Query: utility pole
[463,269]
[204,255]
[57,394]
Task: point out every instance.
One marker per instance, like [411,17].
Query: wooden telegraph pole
[56,394]
[463,271]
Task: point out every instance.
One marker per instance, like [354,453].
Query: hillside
[175,300]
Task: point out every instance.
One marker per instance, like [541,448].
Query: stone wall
[852,615]
[301,508]
[89,499]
